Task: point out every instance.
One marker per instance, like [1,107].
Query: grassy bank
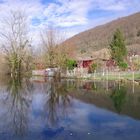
[109,76]
[117,76]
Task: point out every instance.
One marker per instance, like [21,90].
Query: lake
[66,109]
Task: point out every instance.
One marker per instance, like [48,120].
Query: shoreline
[124,77]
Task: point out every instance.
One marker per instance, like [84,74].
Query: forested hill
[99,37]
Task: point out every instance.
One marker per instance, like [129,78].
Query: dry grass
[99,37]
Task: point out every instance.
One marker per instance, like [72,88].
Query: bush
[71,64]
[123,65]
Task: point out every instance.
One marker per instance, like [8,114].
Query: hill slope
[99,37]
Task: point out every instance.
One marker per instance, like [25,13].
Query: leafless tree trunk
[54,54]
[15,42]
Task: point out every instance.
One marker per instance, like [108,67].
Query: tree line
[18,51]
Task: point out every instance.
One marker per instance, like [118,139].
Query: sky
[69,16]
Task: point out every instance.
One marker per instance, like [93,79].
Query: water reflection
[57,97]
[118,97]
[18,102]
[48,108]
[90,86]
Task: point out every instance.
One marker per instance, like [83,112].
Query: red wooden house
[84,62]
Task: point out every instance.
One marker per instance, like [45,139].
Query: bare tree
[49,43]
[54,55]
[15,42]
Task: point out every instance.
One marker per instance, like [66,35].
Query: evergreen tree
[117,47]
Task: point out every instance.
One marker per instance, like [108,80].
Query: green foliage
[71,64]
[117,47]
[94,86]
[123,65]
[119,96]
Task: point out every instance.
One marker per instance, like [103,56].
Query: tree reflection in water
[118,97]
[18,100]
[57,102]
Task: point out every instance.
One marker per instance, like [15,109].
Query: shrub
[123,65]
[71,64]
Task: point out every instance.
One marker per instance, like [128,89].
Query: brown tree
[53,53]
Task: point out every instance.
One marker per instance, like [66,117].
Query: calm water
[48,109]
